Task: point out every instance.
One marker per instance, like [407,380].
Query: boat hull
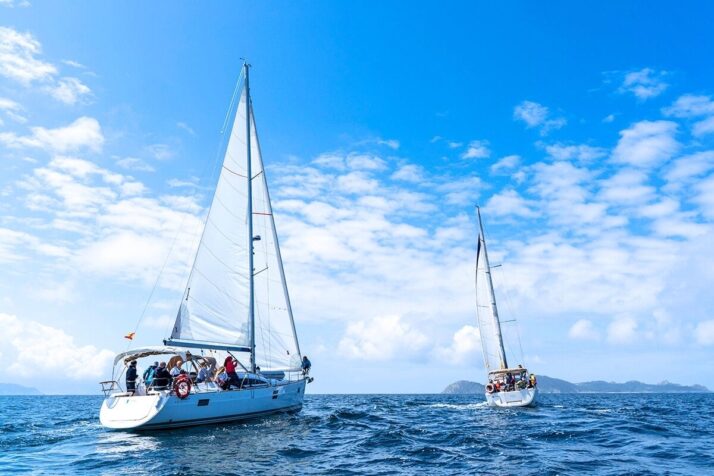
[516,398]
[163,410]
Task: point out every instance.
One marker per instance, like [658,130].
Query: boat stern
[124,411]
[516,398]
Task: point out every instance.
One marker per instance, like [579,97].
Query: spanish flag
[130,336]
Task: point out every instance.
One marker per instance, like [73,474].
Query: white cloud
[391,143]
[622,330]
[19,61]
[132,163]
[690,105]
[186,127]
[627,187]
[15,3]
[364,162]
[537,116]
[160,151]
[382,338]
[583,329]
[477,149]
[704,196]
[356,182]
[409,173]
[645,83]
[12,110]
[510,203]
[703,127]
[506,163]
[69,90]
[83,133]
[704,333]
[29,346]
[647,144]
[581,153]
[609,118]
[465,346]
[17,57]
[688,167]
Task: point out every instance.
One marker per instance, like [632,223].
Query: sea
[616,434]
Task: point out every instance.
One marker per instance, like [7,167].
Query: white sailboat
[236,304]
[507,387]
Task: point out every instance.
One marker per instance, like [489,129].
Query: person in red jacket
[230,365]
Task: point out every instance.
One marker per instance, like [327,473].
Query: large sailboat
[506,387]
[235,309]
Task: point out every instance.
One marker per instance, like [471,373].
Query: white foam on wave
[463,406]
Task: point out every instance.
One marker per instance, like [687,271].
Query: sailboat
[235,308]
[506,387]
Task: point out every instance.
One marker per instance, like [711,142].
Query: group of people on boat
[518,379]
[161,376]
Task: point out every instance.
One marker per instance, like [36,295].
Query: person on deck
[203,375]
[176,371]
[131,377]
[230,365]
[532,381]
[162,377]
[149,374]
[510,382]
[306,365]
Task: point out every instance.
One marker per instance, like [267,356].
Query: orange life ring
[182,386]
[490,387]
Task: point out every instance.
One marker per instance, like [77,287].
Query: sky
[585,132]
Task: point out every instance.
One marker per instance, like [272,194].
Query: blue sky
[586,133]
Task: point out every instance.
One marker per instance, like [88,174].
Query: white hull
[515,398]
[161,410]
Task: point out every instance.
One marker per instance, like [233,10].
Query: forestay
[215,306]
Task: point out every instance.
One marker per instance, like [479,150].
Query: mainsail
[494,355]
[215,310]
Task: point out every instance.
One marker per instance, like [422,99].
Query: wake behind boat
[507,387]
[235,307]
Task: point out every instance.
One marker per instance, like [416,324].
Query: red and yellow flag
[130,336]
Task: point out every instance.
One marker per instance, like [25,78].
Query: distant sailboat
[236,302]
[506,387]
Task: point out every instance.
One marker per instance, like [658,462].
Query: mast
[494,309]
[249,173]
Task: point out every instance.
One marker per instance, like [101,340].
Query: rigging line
[238,245]
[233,100]
[205,246]
[234,173]
[238,217]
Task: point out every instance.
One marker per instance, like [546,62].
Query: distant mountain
[555,385]
[14,389]
[634,386]
[464,386]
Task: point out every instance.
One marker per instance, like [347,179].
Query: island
[15,389]
[555,385]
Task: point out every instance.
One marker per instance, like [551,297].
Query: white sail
[494,355]
[276,344]
[216,304]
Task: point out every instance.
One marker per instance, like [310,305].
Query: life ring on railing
[490,388]
[182,386]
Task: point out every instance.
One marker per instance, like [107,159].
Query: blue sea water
[377,434]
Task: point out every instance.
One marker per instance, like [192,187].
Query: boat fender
[182,386]
[490,388]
